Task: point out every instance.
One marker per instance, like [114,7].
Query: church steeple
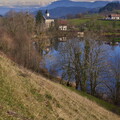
[47,14]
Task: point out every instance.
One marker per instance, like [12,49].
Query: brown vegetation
[27,96]
[16,39]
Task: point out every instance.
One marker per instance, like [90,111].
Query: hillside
[27,96]
[64,11]
[69,3]
[110,7]
[6,9]
[62,8]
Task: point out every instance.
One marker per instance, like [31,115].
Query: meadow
[96,23]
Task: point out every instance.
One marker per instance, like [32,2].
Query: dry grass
[27,96]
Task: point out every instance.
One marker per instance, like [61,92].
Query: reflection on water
[53,60]
[52,56]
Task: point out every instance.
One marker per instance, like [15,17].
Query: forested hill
[64,11]
[110,7]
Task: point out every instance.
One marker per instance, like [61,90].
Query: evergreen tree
[110,7]
[39,17]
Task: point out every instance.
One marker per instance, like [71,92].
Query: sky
[32,2]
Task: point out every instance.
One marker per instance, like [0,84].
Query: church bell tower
[47,14]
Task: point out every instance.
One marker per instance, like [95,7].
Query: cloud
[25,2]
[31,2]
[94,0]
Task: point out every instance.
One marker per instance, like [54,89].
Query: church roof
[45,15]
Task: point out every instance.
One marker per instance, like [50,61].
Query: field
[94,22]
[78,22]
[27,96]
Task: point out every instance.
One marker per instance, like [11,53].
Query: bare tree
[96,65]
[113,84]
[70,57]
[85,60]
[18,30]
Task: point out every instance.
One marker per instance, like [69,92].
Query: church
[48,20]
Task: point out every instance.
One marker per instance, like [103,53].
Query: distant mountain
[60,5]
[69,3]
[110,7]
[61,8]
[63,11]
[94,10]
[5,9]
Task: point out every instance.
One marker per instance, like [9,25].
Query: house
[48,20]
[80,34]
[113,17]
[62,39]
[62,25]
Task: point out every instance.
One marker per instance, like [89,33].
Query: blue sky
[32,2]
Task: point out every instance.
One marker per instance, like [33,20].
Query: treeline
[87,64]
[110,7]
[16,39]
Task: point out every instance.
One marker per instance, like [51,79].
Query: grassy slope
[103,23]
[27,96]
[78,22]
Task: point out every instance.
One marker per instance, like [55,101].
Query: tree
[113,84]
[83,62]
[39,18]
[18,32]
[70,52]
[39,22]
[95,65]
[14,22]
[110,7]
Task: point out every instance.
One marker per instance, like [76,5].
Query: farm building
[113,17]
[63,25]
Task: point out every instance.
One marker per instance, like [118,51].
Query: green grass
[95,22]
[116,11]
[100,102]
[8,99]
[48,96]
[39,97]
[78,22]
[114,39]
[111,33]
